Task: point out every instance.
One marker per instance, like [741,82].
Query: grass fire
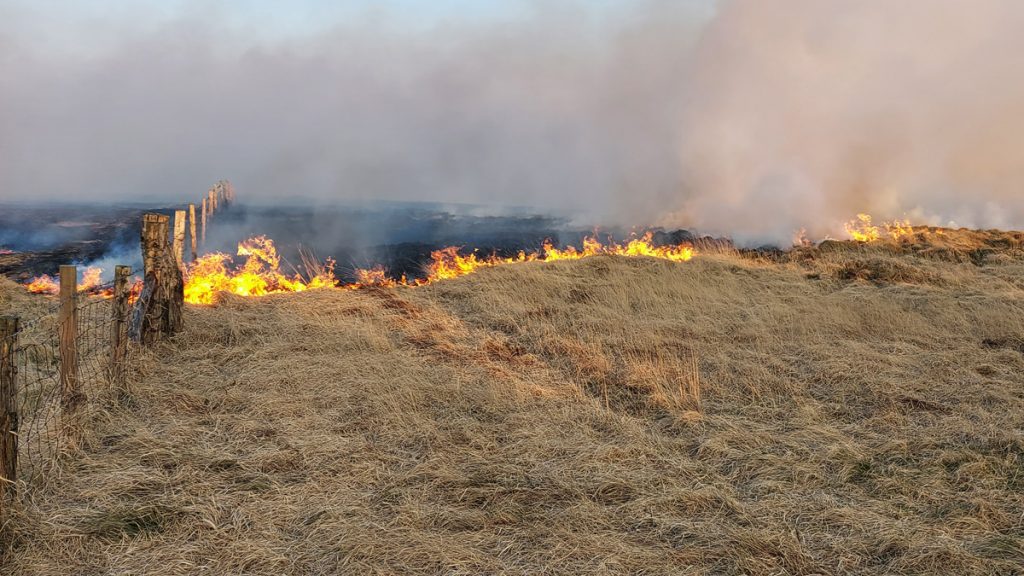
[604,397]
[261,272]
[507,287]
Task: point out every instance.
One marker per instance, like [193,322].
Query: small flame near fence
[90,283]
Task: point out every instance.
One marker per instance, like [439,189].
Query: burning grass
[610,415]
[261,274]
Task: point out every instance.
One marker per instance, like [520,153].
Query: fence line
[51,369]
[55,367]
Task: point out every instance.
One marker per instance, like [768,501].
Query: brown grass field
[844,409]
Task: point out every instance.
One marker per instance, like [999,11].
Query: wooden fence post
[158,310]
[179,237]
[70,391]
[192,229]
[8,408]
[119,329]
[203,231]
[154,240]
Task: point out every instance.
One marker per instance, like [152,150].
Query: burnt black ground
[398,236]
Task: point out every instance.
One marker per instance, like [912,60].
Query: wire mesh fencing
[57,366]
[53,369]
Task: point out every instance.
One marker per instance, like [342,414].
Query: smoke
[562,108]
[738,117]
[802,113]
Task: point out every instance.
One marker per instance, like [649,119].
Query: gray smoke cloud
[801,113]
[739,117]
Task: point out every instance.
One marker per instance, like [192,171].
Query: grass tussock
[854,411]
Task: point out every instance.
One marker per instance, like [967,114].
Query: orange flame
[260,275]
[448,263]
[375,276]
[46,284]
[862,230]
[90,279]
[900,229]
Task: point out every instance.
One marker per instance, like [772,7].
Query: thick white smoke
[745,117]
[800,113]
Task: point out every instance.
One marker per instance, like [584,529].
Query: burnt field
[37,239]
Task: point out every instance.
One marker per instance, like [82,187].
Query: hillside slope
[854,412]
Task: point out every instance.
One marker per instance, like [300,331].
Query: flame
[46,284]
[862,230]
[448,263]
[900,229]
[376,276]
[644,247]
[90,279]
[259,275]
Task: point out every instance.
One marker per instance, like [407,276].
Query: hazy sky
[744,117]
[504,103]
[93,25]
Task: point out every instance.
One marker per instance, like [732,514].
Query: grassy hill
[841,409]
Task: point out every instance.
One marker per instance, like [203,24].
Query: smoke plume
[801,113]
[740,117]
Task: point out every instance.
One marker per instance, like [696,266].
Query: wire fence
[53,369]
[75,354]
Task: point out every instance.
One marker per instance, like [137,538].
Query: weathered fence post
[70,389]
[179,237]
[158,310]
[192,229]
[119,329]
[203,231]
[8,408]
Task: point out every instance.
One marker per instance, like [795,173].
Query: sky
[751,118]
[87,25]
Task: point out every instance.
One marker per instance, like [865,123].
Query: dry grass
[849,411]
[14,300]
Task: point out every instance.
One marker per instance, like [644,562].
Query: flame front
[261,272]
[862,230]
[46,284]
[376,276]
[448,263]
[260,275]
